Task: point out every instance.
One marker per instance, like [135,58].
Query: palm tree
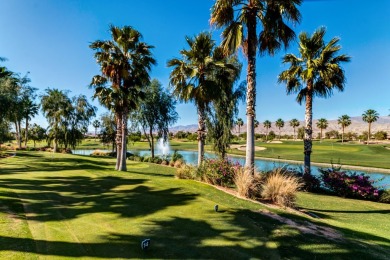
[239,123]
[192,78]
[241,21]
[96,125]
[267,126]
[370,116]
[30,109]
[55,107]
[125,61]
[256,123]
[279,124]
[344,121]
[315,72]
[322,124]
[294,123]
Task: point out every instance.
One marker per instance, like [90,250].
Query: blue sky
[50,39]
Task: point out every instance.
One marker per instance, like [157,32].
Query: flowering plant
[350,184]
[218,171]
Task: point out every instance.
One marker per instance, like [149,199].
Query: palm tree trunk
[26,133]
[151,142]
[123,151]
[369,133]
[295,137]
[118,140]
[251,93]
[201,133]
[320,135]
[307,141]
[342,136]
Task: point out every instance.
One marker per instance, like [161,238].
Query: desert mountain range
[357,126]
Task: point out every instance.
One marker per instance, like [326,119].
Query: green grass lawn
[60,206]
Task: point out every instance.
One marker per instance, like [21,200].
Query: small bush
[99,153]
[218,172]
[385,197]
[164,162]
[186,172]
[350,185]
[178,164]
[280,188]
[172,163]
[157,160]
[176,156]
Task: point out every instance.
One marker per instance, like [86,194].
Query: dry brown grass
[185,172]
[281,188]
[243,181]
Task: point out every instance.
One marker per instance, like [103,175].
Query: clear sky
[50,39]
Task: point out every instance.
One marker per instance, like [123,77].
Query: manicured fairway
[66,206]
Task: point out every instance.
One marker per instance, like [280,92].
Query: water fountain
[163,148]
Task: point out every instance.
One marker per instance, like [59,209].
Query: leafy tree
[37,133]
[5,134]
[380,135]
[239,123]
[125,61]
[156,113]
[224,108]
[108,129]
[96,124]
[267,126]
[370,116]
[332,134]
[351,136]
[322,124]
[301,132]
[294,123]
[241,21]
[279,124]
[344,121]
[193,78]
[317,72]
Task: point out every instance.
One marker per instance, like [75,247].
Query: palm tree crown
[241,21]
[193,77]
[344,121]
[315,72]
[370,116]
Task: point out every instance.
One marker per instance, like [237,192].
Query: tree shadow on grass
[250,236]
[59,198]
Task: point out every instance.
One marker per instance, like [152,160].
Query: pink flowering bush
[351,185]
[218,171]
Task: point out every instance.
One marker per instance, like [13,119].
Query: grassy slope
[66,206]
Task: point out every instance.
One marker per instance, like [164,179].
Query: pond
[191,157]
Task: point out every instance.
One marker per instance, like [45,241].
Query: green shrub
[385,197]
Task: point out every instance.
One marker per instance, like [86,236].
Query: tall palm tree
[344,121]
[192,78]
[256,123]
[55,107]
[239,123]
[267,126]
[96,125]
[254,25]
[279,124]
[315,72]
[370,116]
[30,109]
[125,61]
[322,124]
[294,123]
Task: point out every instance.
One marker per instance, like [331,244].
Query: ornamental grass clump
[219,172]
[243,180]
[351,185]
[280,188]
